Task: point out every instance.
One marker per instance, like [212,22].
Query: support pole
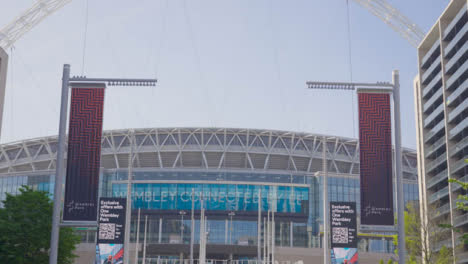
[192,227]
[128,214]
[398,166]
[144,240]
[54,239]
[137,242]
[259,226]
[326,250]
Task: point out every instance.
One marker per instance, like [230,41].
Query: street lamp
[382,87]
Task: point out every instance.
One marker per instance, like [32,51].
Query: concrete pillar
[3,77]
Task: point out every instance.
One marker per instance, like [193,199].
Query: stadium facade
[228,167]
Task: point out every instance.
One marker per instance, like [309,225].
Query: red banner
[375,140]
[84,154]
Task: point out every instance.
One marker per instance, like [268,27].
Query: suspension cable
[350,59]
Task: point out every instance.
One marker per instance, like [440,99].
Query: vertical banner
[375,159]
[84,153]
[111,230]
[343,229]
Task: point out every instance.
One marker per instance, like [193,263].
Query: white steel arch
[43,8]
[27,20]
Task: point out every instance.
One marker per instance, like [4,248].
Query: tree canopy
[25,229]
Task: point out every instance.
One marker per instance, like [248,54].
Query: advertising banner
[343,225]
[111,222]
[84,154]
[223,197]
[344,256]
[375,159]
[343,233]
[111,230]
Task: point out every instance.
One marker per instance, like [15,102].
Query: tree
[25,229]
[462,204]
[417,235]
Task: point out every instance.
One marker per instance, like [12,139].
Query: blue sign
[223,197]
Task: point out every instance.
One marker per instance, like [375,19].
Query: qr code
[340,235]
[106,231]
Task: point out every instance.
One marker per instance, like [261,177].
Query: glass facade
[231,201]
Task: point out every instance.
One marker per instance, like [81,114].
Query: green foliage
[381,261]
[415,246]
[445,256]
[390,261]
[25,229]
[462,204]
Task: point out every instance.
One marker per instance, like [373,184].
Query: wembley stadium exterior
[228,166]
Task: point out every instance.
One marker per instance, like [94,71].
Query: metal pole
[398,172]
[273,237]
[144,240]
[259,226]
[128,214]
[192,228]
[54,237]
[326,250]
[137,242]
[268,237]
[264,239]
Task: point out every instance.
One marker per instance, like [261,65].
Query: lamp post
[382,87]
[68,82]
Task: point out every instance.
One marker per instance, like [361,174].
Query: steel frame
[205,149]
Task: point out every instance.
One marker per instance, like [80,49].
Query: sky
[230,63]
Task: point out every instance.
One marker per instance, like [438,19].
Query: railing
[431,100]
[438,178]
[433,115]
[429,54]
[447,243]
[455,40]
[455,20]
[456,75]
[431,85]
[441,210]
[436,129]
[458,110]
[435,146]
[439,194]
[455,58]
[430,70]
[459,146]
[460,220]
[459,165]
[457,186]
[460,89]
[435,163]
[463,257]
[458,128]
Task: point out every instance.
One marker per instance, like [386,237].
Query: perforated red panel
[84,154]
[375,139]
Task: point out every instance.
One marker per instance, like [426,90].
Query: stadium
[228,167]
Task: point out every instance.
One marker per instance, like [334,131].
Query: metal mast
[396,20]
[43,8]
[27,20]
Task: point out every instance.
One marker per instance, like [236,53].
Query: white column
[144,239]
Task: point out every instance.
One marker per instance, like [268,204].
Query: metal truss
[205,149]
[396,20]
[27,20]
[43,8]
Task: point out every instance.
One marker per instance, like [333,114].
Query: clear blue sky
[241,63]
